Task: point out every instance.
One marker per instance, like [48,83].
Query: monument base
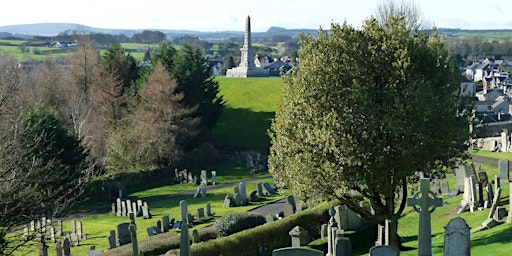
[246,72]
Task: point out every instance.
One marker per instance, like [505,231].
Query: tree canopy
[363,111]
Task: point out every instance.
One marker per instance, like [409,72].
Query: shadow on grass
[502,236]
[243,128]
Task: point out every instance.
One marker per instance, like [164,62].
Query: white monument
[247,68]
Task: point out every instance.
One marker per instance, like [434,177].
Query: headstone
[195,236]
[253,197]
[380,235]
[123,234]
[145,210]
[32,225]
[269,189]
[460,174]
[243,192]
[457,238]
[501,213]
[436,187]
[135,209]
[291,200]
[490,195]
[58,248]
[184,241]
[79,230]
[153,231]
[480,194]
[166,225]
[259,188]
[159,224]
[298,235]
[214,177]
[112,240]
[238,199]
[209,210]
[503,170]
[196,194]
[504,141]
[203,189]
[52,234]
[190,219]
[453,193]
[422,201]
[342,246]
[183,210]
[293,251]
[133,234]
[190,178]
[59,228]
[287,210]
[204,178]
[482,176]
[113,207]
[177,225]
[73,226]
[66,247]
[227,201]
[129,206]
[123,208]
[200,213]
[341,217]
[323,231]
[384,250]
[445,187]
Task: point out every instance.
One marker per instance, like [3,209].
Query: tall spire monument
[247,68]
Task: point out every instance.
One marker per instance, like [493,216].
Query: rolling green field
[250,107]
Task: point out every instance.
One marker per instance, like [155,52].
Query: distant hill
[53,29]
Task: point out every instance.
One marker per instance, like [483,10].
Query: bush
[238,221]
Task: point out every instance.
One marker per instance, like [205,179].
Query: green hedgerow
[238,221]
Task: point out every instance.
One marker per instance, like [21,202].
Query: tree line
[99,114]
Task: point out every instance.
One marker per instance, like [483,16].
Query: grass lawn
[98,226]
[494,155]
[250,107]
[495,241]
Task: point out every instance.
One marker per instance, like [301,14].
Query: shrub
[238,221]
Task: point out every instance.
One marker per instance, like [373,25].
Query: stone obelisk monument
[247,68]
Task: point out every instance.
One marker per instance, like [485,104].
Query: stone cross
[424,202]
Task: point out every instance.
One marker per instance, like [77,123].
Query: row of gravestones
[239,196]
[254,161]
[124,208]
[61,248]
[185,176]
[123,235]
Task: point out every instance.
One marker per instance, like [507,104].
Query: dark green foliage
[363,111]
[124,66]
[238,221]
[43,171]
[195,81]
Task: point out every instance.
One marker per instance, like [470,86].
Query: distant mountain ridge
[53,29]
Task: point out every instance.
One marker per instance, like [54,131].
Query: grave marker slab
[123,234]
[166,225]
[503,170]
[456,238]
[293,251]
[112,240]
[384,250]
[445,187]
[183,210]
[269,189]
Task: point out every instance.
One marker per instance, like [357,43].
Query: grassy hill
[250,108]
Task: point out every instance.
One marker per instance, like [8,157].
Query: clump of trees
[96,115]
[364,111]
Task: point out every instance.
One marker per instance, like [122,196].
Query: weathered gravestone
[183,210]
[196,194]
[112,240]
[503,170]
[204,178]
[243,192]
[456,238]
[482,177]
[342,245]
[384,250]
[268,189]
[195,236]
[184,241]
[145,211]
[123,234]
[66,247]
[129,206]
[166,225]
[298,235]
[209,212]
[445,187]
[227,201]
[214,177]
[200,213]
[133,235]
[203,189]
[436,187]
[259,188]
[424,202]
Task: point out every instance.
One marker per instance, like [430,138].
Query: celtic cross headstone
[424,202]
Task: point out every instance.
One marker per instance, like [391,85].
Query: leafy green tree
[363,111]
[43,170]
[123,65]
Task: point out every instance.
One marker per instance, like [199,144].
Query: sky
[230,15]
